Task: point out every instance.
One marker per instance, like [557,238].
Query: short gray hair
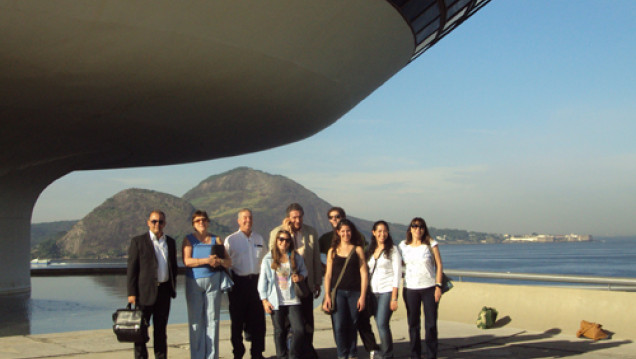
[244,210]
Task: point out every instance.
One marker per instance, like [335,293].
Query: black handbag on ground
[130,326]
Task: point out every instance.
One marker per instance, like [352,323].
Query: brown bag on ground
[591,331]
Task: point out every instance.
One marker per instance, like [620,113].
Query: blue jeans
[415,299]
[294,314]
[344,322]
[203,297]
[382,317]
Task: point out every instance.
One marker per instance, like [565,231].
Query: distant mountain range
[106,231]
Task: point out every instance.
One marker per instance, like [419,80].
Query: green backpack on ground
[486,318]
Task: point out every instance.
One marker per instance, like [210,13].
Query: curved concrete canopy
[98,84]
[106,80]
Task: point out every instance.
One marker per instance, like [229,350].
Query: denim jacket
[267,279]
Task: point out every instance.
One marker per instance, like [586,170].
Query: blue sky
[521,120]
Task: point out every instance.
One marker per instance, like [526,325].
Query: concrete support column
[17,198]
[16,204]
[15,253]
[18,192]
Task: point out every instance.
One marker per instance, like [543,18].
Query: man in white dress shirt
[246,249]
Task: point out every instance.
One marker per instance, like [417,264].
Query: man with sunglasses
[335,215]
[152,280]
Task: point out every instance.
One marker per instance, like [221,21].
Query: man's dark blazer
[142,269]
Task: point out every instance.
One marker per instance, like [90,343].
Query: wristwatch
[438,285]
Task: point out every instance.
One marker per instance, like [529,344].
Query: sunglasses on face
[155,221]
[202,220]
[285,239]
[415,226]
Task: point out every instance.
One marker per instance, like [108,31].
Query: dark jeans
[293,315]
[414,299]
[345,322]
[382,319]
[365,331]
[307,308]
[159,313]
[246,311]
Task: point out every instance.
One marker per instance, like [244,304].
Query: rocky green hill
[223,195]
[106,231]
[267,195]
[44,231]
[44,237]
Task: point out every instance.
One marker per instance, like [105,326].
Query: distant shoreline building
[545,238]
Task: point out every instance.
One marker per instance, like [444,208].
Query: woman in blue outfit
[280,268]
[205,277]
[347,257]
[385,274]
[422,286]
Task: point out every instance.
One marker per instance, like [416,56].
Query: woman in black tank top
[351,288]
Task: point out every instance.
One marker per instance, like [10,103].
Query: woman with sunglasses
[345,260]
[281,268]
[385,273]
[422,286]
[205,277]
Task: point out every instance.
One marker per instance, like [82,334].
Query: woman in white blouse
[385,273]
[422,286]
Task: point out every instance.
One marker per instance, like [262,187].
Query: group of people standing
[372,278]
[359,283]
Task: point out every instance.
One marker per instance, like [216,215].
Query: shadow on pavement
[520,345]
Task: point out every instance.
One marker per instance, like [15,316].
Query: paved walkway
[457,340]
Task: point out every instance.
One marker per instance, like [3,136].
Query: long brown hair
[356,237]
[277,255]
[426,238]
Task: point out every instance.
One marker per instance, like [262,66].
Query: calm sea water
[610,257]
[60,304]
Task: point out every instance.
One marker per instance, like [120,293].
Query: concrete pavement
[457,340]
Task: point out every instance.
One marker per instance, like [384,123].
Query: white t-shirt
[284,285]
[419,265]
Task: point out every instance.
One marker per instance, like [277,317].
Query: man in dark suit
[152,280]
